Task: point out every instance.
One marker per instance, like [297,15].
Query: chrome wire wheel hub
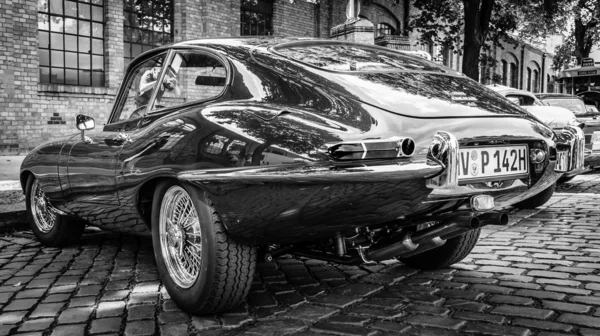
[44,215]
[180,237]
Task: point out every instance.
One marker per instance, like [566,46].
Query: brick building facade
[37,104]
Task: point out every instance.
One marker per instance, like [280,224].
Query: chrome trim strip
[326,149]
[314,173]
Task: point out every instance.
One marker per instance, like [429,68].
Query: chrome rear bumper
[570,151]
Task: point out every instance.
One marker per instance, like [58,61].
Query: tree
[564,53]
[584,31]
[469,24]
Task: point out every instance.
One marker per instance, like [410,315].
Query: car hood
[553,116]
[427,94]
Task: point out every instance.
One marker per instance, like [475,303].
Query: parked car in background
[592,110]
[590,98]
[592,126]
[224,149]
[553,116]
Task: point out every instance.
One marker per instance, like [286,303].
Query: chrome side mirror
[85,123]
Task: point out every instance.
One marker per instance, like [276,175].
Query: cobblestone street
[540,275]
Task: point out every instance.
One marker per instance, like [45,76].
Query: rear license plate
[492,163]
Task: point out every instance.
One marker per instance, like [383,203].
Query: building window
[536,81]
[528,80]
[147,24]
[514,75]
[71,42]
[504,72]
[385,29]
[447,57]
[256,17]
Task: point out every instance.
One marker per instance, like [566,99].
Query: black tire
[65,231]
[227,267]
[537,200]
[453,251]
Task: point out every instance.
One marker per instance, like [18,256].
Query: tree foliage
[471,26]
[582,20]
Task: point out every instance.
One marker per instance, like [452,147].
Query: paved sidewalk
[12,200]
[9,167]
[540,275]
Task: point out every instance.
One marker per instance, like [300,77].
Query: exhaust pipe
[406,244]
[435,236]
[410,242]
[493,218]
[448,229]
[435,242]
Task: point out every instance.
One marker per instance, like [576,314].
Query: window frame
[536,81]
[513,69]
[381,26]
[267,29]
[63,33]
[127,13]
[504,73]
[170,53]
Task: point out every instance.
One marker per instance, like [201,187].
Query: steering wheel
[137,112]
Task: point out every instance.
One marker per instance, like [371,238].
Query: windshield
[574,105]
[344,57]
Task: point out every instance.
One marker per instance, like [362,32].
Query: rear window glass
[522,100]
[341,57]
[574,105]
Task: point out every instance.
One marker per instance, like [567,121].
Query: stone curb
[12,206]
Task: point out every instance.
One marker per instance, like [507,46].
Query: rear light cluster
[444,150]
[576,123]
[570,150]
[371,149]
[537,155]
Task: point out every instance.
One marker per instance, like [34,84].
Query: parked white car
[554,116]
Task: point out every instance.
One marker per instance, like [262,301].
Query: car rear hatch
[396,82]
[428,95]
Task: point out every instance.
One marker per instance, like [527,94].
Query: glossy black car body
[285,111]
[345,151]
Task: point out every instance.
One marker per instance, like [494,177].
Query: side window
[191,76]
[139,89]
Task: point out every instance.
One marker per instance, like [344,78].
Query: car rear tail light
[537,155]
[371,149]
[444,150]
[570,150]
[576,123]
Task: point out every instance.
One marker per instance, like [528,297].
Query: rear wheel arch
[145,196]
[23,178]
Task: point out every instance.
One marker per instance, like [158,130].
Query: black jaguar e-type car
[226,149]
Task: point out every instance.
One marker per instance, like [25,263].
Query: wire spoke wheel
[180,237]
[44,215]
